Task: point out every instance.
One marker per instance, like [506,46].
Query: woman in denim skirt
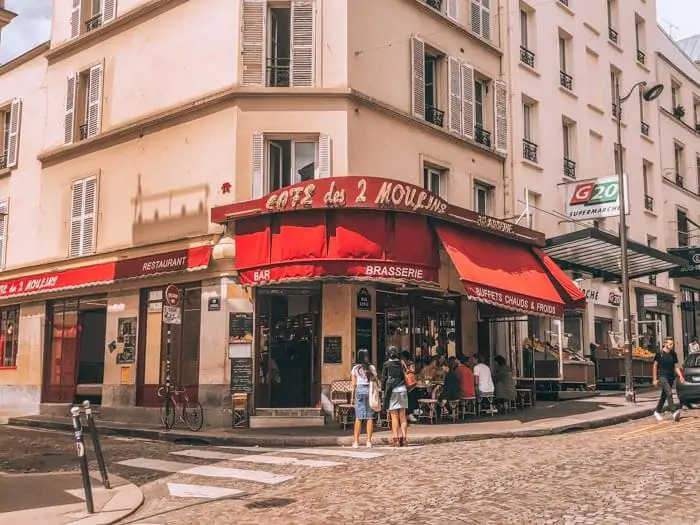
[362,374]
[396,395]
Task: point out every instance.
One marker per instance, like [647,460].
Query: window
[4,209]
[697,170]
[282,161]
[482,198]
[527,56]
[533,200]
[678,155]
[640,38]
[427,65]
[615,81]
[529,145]
[651,243]
[619,162]
[648,199]
[644,126]
[683,229]
[696,114]
[481,18]
[481,135]
[567,131]
[277,43]
[675,95]
[432,113]
[9,336]
[612,21]
[82,217]
[565,77]
[10,121]
[435,180]
[83,117]
[88,15]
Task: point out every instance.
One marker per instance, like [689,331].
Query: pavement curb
[321,441]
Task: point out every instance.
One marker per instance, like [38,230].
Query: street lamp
[648,94]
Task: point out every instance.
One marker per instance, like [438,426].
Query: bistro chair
[468,406]
[524,397]
[453,410]
[341,393]
[486,404]
[429,406]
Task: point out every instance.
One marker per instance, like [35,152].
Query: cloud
[30,28]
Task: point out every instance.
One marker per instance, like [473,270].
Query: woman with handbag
[364,388]
[394,376]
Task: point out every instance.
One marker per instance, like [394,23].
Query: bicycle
[189,412]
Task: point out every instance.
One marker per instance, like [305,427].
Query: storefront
[340,264]
[687,278]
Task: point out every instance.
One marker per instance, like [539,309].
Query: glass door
[61,369]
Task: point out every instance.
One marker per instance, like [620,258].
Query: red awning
[336,243]
[575,299]
[500,272]
[107,273]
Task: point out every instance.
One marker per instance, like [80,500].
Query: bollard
[80,447]
[96,443]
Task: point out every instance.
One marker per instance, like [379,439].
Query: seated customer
[503,379]
[466,379]
[484,381]
[451,388]
[428,370]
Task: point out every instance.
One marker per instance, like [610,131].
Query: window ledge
[648,139]
[568,92]
[591,28]
[8,367]
[616,46]
[529,69]
[566,8]
[595,108]
[651,213]
[679,121]
[533,165]
[642,66]
[5,172]
[680,188]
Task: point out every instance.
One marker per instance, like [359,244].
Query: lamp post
[648,94]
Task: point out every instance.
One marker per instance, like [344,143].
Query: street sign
[172,314]
[595,199]
[172,295]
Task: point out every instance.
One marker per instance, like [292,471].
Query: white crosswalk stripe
[257,458]
[183,490]
[337,453]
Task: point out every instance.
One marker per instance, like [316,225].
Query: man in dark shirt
[665,370]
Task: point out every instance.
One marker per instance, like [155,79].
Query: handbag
[409,377]
[374,401]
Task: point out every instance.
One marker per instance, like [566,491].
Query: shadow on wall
[170,214]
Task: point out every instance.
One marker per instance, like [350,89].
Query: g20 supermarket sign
[595,198]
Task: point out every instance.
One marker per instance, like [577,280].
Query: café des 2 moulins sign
[595,198]
[692,255]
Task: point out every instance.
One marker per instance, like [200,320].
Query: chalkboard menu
[332,350]
[364,299]
[242,375]
[240,327]
[363,336]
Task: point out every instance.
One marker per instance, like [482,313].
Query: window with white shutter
[481,18]
[280,161]
[253,42]
[109,11]
[69,119]
[4,208]
[258,164]
[76,19]
[13,133]
[94,101]
[418,77]
[324,157]
[302,43]
[500,116]
[455,115]
[468,100]
[452,9]
[82,217]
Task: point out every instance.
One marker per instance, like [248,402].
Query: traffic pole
[96,443]
[82,458]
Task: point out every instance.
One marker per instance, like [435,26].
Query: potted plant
[679,112]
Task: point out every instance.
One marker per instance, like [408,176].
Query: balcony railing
[569,168]
[648,202]
[644,128]
[612,35]
[83,131]
[93,23]
[641,56]
[435,4]
[566,80]
[679,180]
[278,72]
[482,136]
[527,57]
[3,161]
[434,115]
[652,280]
[683,238]
[529,150]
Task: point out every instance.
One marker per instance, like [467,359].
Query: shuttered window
[94,101]
[501,116]
[455,118]
[302,44]
[85,87]
[76,19]
[452,9]
[481,18]
[4,219]
[12,124]
[109,11]
[468,100]
[82,217]
[69,118]
[418,77]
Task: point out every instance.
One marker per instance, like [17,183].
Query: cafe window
[9,335]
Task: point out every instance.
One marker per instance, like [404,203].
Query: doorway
[289,362]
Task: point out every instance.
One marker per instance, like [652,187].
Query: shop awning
[597,252]
[376,245]
[190,259]
[503,273]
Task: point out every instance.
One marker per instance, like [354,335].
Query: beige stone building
[291,177]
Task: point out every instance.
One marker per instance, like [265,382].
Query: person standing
[362,375]
[396,395]
[664,372]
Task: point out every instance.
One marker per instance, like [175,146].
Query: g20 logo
[592,193]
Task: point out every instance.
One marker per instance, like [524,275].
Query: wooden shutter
[82,217]
[3,231]
[89,216]
[486,19]
[76,218]
[501,116]
[109,11]
[302,63]
[454,109]
[258,165]
[324,157]
[253,43]
[76,19]
[94,111]
[452,9]
[69,120]
[476,16]
[418,77]
[468,100]
[13,136]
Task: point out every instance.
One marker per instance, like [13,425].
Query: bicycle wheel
[193,415]
[167,413]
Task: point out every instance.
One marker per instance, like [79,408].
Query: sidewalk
[61,499]
[545,418]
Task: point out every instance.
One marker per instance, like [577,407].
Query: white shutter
[76,19]
[76,218]
[253,43]
[452,9]
[468,100]
[89,217]
[3,231]
[69,120]
[109,11]
[501,116]
[418,77]
[82,217]
[94,111]
[302,63]
[13,136]
[454,108]
[486,19]
[258,165]
[324,157]
[476,16]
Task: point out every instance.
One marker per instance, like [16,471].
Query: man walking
[665,370]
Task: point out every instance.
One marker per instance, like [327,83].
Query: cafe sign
[692,269]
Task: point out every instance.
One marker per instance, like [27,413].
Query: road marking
[258,476]
[205,454]
[671,427]
[282,460]
[156,464]
[337,453]
[183,490]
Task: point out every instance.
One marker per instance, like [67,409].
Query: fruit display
[642,353]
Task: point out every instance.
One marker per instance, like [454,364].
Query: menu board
[332,350]
[363,336]
[240,327]
[242,375]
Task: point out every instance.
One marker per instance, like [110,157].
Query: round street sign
[172,295]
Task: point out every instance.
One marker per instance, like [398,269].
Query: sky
[33,25]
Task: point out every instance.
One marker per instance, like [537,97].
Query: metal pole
[96,443]
[167,360]
[82,457]
[629,381]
